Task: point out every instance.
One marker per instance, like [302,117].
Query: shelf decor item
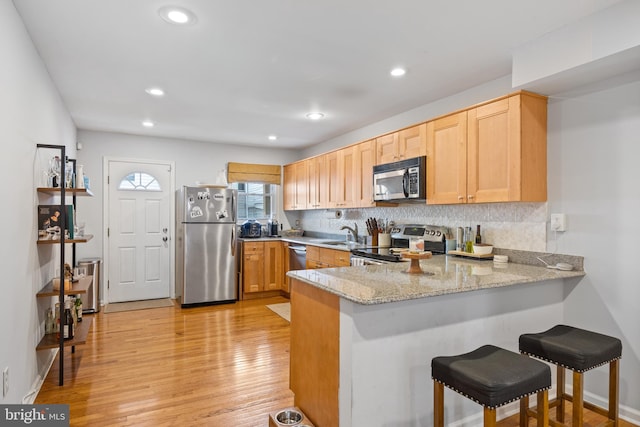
[49,221]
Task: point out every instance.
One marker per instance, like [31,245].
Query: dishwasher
[297,257]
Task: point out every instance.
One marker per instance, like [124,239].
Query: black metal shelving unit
[50,341]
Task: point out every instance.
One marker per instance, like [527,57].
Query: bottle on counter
[49,326]
[56,324]
[68,324]
[78,308]
[468,240]
[478,236]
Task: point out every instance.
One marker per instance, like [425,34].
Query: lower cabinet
[266,263]
[262,266]
[326,258]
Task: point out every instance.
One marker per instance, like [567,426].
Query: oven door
[390,185]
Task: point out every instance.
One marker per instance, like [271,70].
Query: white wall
[593,167]
[31,112]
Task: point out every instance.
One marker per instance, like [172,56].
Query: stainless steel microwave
[401,181]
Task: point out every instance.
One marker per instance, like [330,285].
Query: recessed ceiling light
[314,116]
[398,72]
[148,123]
[272,137]
[177,15]
[155,91]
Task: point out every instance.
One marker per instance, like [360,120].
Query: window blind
[248,172]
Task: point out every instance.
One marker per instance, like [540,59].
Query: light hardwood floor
[225,365]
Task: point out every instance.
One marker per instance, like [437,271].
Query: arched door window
[139,181]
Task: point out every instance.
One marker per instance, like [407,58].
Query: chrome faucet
[354,231]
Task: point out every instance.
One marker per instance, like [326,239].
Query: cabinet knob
[460,198]
[470,196]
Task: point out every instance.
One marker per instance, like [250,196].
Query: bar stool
[578,350]
[492,377]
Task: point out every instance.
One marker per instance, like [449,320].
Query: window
[139,181]
[255,200]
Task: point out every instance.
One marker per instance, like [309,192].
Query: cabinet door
[506,155]
[412,142]
[341,258]
[346,177]
[253,267]
[331,166]
[286,262]
[387,148]
[289,184]
[447,159]
[273,266]
[301,185]
[316,183]
[365,155]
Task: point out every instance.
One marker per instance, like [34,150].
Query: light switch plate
[558,222]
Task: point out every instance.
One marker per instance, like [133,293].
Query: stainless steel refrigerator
[206,245]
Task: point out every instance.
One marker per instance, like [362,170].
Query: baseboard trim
[30,397]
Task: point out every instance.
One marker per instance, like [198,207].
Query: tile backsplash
[519,226]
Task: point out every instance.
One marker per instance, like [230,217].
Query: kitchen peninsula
[362,338]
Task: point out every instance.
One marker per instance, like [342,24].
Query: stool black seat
[578,350]
[490,376]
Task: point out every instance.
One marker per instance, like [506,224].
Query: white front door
[138,230]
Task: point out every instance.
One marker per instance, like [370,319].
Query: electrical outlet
[5,382]
[558,222]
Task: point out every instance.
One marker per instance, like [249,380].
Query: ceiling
[252,68]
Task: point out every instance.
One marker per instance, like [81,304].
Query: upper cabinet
[340,165]
[317,182]
[404,144]
[447,159]
[365,158]
[495,152]
[295,186]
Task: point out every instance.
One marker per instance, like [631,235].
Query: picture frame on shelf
[49,222]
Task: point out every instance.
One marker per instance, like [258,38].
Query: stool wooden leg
[524,407]
[438,404]
[578,400]
[560,394]
[614,376]
[543,409]
[489,417]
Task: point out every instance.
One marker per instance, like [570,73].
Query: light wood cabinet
[273,266]
[447,159]
[341,184]
[318,257]
[295,186]
[495,152]
[317,179]
[365,159]
[404,144]
[262,266]
[253,266]
[507,150]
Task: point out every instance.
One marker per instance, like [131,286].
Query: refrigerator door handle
[233,206]
[233,240]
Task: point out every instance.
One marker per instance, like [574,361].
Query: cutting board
[470,255]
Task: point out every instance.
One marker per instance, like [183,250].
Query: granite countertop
[314,241]
[378,284]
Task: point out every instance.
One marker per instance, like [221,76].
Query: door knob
[164,230]
[165,238]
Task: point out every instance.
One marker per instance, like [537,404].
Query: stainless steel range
[433,237]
